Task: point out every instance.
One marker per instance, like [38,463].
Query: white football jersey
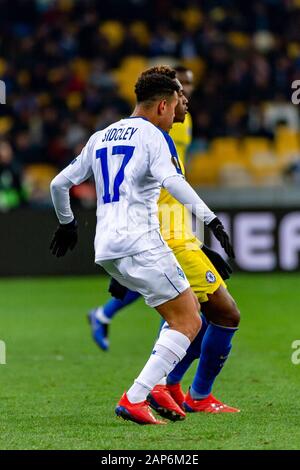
[130,160]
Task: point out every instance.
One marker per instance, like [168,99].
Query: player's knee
[233,315]
[228,313]
[196,302]
[195,326]
[189,325]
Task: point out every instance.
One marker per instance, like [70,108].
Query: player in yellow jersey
[221,315]
[175,220]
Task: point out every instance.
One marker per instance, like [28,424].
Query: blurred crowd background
[69,67]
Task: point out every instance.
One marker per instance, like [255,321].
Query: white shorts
[155,274]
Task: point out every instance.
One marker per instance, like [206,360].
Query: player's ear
[162,107]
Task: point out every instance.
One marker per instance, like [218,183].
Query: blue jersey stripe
[172,149]
[170,143]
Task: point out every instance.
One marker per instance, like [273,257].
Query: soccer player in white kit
[131,160]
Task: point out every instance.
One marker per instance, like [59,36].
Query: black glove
[223,268]
[117,290]
[219,232]
[64,238]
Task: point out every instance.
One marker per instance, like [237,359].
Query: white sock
[169,349]
[164,328]
[99,314]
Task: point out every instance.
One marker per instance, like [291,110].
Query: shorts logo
[180,273]
[210,277]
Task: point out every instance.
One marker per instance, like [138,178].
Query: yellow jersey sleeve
[175,220]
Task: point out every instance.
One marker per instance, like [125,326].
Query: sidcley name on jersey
[119,134]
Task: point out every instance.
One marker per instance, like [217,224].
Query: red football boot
[207,405]
[162,402]
[176,393]
[139,413]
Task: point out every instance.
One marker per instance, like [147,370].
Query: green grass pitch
[58,391]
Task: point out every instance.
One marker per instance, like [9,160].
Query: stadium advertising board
[265,240]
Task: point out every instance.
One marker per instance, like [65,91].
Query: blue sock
[192,353]
[216,346]
[114,305]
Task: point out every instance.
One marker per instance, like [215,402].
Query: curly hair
[161,70]
[151,87]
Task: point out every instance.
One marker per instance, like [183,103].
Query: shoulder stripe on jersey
[172,149]
[169,141]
